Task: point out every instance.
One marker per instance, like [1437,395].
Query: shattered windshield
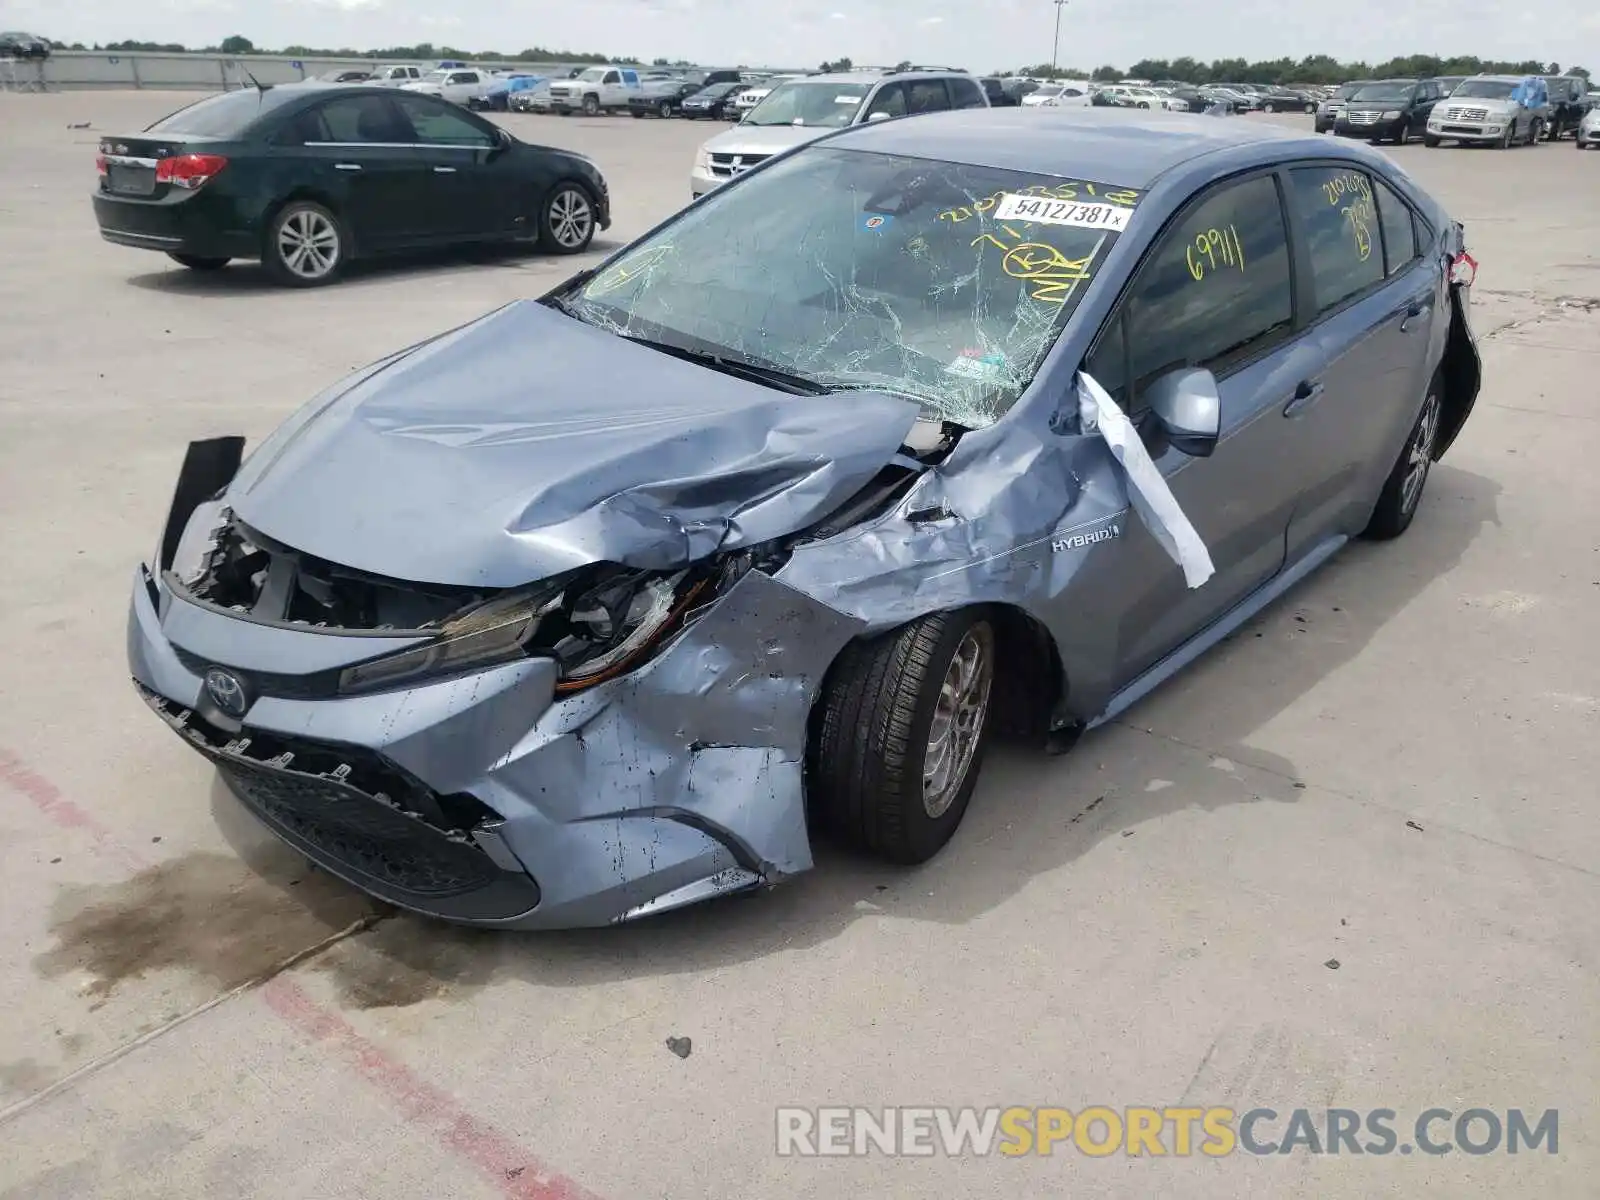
[1484,89]
[829,105]
[942,282]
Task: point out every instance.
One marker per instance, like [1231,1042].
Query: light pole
[1055,52]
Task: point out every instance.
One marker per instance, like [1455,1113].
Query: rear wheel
[306,245]
[199,262]
[1535,130]
[1402,491]
[566,220]
[1269,107]
[902,727]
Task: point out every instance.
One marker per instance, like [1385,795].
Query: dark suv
[23,45]
[1569,100]
[1389,110]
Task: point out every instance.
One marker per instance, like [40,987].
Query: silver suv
[804,109]
[1486,108]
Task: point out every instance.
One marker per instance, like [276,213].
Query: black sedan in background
[715,102]
[307,178]
[15,44]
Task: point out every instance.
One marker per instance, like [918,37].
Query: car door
[1427,96]
[1370,327]
[357,150]
[1215,291]
[926,96]
[464,196]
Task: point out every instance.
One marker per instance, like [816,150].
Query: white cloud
[929,22]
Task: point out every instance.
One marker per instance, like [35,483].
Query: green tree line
[1313,69]
[423,51]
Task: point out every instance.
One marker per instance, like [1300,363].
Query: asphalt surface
[1347,860]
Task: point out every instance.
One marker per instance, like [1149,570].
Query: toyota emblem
[227,691]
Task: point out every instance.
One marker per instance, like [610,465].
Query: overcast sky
[981,35]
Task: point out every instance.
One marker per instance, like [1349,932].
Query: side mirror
[1189,408]
[878,116]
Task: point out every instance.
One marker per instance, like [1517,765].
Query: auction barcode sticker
[1013,207]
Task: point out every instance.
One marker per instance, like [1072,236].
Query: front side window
[1399,230]
[1215,292]
[612,77]
[826,105]
[441,125]
[871,271]
[966,94]
[890,101]
[1336,213]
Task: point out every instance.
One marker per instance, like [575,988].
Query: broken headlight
[485,636]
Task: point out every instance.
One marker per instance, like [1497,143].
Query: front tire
[1431,142]
[306,245]
[1402,491]
[1269,108]
[591,105]
[566,220]
[198,262]
[664,110]
[902,726]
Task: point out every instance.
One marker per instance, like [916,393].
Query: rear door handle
[1418,309]
[1305,395]
[347,166]
[444,170]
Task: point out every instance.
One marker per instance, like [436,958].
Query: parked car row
[1498,110]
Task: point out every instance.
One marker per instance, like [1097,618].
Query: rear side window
[1399,229]
[353,119]
[1215,292]
[925,96]
[965,94]
[1335,209]
[223,116]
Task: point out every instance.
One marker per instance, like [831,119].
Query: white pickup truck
[595,90]
[395,76]
[459,86]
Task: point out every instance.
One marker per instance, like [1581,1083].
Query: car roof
[1126,147]
[1498,78]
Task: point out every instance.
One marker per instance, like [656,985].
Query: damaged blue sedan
[926,431]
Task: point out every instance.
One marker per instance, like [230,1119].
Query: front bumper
[488,800]
[1588,135]
[1455,130]
[702,181]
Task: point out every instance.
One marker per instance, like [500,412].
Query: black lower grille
[363,818]
[361,832]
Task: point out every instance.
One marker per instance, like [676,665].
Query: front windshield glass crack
[941,282]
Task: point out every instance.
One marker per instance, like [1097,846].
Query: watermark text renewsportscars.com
[1100,1131]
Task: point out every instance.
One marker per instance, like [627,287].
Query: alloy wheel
[571,217]
[308,244]
[958,718]
[1419,454]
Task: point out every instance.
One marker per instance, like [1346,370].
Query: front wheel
[591,105]
[1430,141]
[306,245]
[664,109]
[900,734]
[1505,138]
[1310,108]
[1269,108]
[198,262]
[566,220]
[1535,131]
[1402,491]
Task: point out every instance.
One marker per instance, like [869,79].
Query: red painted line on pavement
[47,798]
[517,1174]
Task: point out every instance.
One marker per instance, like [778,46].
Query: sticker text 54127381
[1077,213]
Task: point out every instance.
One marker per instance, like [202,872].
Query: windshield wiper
[741,368]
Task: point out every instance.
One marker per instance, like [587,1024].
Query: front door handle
[1420,308]
[1305,395]
[347,166]
[444,170]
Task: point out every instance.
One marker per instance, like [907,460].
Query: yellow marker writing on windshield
[1053,274]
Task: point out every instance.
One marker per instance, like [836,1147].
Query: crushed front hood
[528,443]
